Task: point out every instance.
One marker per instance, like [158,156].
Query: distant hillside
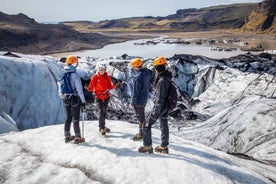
[20,33]
[262,18]
[216,17]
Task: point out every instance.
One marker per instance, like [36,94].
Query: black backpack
[172,96]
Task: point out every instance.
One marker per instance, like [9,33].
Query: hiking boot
[145,149]
[162,149]
[107,130]
[137,137]
[79,140]
[102,131]
[69,138]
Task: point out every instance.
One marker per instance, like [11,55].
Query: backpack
[172,97]
[65,87]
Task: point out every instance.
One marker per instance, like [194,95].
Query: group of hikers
[100,86]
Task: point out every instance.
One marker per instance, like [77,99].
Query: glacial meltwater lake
[152,51]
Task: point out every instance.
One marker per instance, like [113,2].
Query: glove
[153,115]
[83,105]
[118,85]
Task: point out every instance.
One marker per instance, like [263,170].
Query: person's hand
[83,105]
[118,84]
[131,106]
[86,87]
[153,114]
[60,95]
[106,91]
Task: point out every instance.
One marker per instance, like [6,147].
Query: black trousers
[72,107]
[164,127]
[102,107]
[140,113]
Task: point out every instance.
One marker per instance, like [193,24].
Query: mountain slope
[20,33]
[216,17]
[262,18]
[41,156]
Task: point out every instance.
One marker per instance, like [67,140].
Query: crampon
[162,149]
[79,140]
[145,149]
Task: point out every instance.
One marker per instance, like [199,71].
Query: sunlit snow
[41,156]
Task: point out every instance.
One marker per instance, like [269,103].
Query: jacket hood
[167,74]
[144,71]
[69,68]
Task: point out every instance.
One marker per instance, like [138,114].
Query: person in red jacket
[100,85]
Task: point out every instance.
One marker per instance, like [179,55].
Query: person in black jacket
[140,92]
[160,109]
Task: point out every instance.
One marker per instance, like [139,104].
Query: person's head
[136,63]
[102,68]
[72,60]
[160,64]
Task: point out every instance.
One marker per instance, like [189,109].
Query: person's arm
[138,85]
[160,97]
[110,84]
[92,84]
[78,86]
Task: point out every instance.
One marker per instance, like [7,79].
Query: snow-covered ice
[41,156]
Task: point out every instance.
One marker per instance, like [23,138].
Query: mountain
[246,16]
[262,18]
[41,156]
[216,17]
[20,33]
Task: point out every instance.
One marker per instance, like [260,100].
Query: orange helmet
[159,61]
[71,60]
[137,62]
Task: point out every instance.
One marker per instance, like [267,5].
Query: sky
[41,156]
[97,10]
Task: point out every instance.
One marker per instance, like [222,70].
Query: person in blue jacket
[140,93]
[74,102]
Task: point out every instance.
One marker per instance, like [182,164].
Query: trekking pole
[82,114]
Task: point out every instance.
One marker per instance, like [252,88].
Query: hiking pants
[102,107]
[164,127]
[72,107]
[140,113]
